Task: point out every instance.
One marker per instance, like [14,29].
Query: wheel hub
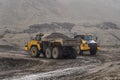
[33,52]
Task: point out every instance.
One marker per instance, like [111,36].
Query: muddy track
[20,66]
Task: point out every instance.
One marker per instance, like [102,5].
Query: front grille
[92,44]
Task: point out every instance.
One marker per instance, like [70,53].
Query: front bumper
[86,47]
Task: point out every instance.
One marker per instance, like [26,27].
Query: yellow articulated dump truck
[54,47]
[88,43]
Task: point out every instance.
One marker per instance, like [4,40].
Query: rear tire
[48,53]
[57,53]
[44,55]
[34,52]
[81,52]
[73,54]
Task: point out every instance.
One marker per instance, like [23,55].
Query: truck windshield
[88,37]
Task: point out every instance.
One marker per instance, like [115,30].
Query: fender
[34,43]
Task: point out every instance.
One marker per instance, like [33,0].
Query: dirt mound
[103,25]
[57,35]
[108,25]
[49,27]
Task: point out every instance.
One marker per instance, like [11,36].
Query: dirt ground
[18,65]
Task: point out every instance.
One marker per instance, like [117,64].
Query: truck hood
[91,41]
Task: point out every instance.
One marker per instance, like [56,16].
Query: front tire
[93,52]
[34,52]
[93,49]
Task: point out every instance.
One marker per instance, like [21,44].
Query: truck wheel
[57,53]
[78,50]
[34,52]
[73,54]
[93,50]
[44,55]
[81,52]
[48,53]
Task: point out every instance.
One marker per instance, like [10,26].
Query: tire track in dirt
[84,67]
[56,73]
[83,70]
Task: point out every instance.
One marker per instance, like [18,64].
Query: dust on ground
[20,66]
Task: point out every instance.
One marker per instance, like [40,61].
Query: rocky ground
[18,65]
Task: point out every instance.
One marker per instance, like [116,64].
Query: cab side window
[38,38]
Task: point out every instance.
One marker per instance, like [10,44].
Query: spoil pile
[57,35]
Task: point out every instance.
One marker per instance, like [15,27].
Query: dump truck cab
[88,43]
[34,45]
[34,42]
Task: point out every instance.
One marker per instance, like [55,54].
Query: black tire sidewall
[73,54]
[48,53]
[81,52]
[36,54]
[93,50]
[58,51]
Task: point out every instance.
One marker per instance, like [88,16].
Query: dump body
[65,42]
